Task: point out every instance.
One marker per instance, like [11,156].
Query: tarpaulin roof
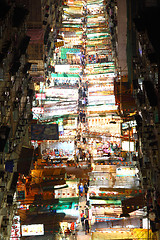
[66,75]
[133,204]
[37,35]
[53,172]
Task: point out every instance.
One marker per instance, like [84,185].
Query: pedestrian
[87,203]
[82,219]
[83,156]
[27,185]
[86,189]
[77,157]
[80,153]
[72,227]
[81,188]
[86,211]
[67,232]
[86,224]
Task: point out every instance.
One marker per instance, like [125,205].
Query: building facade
[16,99]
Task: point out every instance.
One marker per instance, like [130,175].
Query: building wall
[15,105]
[122,33]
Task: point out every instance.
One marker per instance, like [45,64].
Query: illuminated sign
[59,44]
[101,108]
[63,94]
[38,110]
[128,146]
[67,68]
[15,229]
[21,195]
[103,99]
[40,96]
[129,124]
[101,90]
[121,172]
[33,230]
[62,68]
[100,201]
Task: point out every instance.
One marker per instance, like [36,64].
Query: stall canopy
[36,35]
[133,204]
[44,132]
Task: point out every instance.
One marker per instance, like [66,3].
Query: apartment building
[15,104]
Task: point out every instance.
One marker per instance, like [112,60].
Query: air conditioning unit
[3,211]
[5,221]
[144,172]
[145,181]
[5,233]
[148,166]
[4,230]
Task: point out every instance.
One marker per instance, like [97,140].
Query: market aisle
[81,235]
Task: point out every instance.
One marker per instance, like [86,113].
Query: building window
[1,31]
[1,74]
[34,67]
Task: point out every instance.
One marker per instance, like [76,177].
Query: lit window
[34,68]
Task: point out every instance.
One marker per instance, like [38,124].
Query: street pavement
[81,234]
